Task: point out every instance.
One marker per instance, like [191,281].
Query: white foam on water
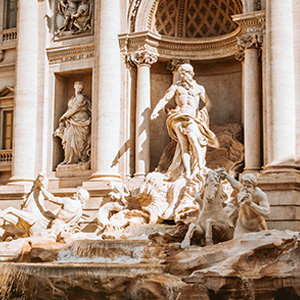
[70,257]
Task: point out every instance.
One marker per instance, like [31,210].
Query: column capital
[253,41]
[129,61]
[143,57]
[175,63]
[246,42]
[253,27]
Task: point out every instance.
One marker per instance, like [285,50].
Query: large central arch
[142,13]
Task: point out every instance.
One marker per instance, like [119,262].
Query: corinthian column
[250,46]
[143,59]
[24,147]
[106,105]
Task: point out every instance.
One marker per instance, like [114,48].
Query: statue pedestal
[71,176]
[73,170]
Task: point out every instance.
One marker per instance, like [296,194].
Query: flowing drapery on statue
[75,128]
[196,127]
[187,125]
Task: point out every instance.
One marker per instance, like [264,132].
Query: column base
[101,177]
[289,167]
[139,175]
[101,181]
[21,181]
[281,183]
[252,170]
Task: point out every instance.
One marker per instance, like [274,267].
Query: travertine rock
[230,155]
[259,264]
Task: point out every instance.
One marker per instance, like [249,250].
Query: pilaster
[106,106]
[25,111]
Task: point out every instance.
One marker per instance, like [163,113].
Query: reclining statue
[34,219]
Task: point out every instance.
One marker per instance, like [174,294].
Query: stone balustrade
[6,157]
[9,35]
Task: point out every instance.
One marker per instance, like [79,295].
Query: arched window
[10,20]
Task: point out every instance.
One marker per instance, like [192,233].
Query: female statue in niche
[75,128]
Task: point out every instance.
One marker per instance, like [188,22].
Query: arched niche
[211,51]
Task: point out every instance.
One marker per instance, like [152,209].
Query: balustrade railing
[9,35]
[5,157]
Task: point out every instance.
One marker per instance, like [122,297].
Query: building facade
[126,53]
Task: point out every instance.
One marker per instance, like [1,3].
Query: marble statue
[75,128]
[76,17]
[187,125]
[171,192]
[253,204]
[33,218]
[68,216]
[126,209]
[213,222]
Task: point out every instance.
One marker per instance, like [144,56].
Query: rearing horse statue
[213,223]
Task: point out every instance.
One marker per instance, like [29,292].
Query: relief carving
[75,16]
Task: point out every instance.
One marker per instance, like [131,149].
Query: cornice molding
[168,47]
[70,53]
[252,26]
[251,23]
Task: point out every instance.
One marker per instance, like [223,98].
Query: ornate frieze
[251,23]
[206,48]
[70,53]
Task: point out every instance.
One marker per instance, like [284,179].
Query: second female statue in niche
[75,128]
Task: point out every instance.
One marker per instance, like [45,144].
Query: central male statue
[187,125]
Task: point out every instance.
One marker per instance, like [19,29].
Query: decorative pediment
[7,91]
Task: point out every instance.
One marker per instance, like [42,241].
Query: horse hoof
[184,245]
[209,243]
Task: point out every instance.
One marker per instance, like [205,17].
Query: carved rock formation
[258,266]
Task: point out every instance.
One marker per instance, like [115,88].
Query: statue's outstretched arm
[50,197]
[162,102]
[234,183]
